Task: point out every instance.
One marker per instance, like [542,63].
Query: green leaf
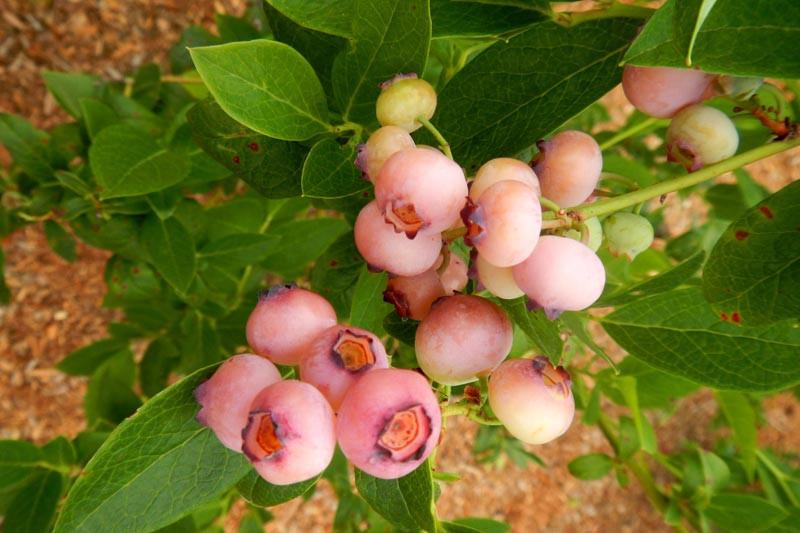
[663,282]
[590,467]
[479,19]
[742,418]
[232,29]
[483,525]
[336,271]
[647,437]
[84,361]
[740,37]
[270,166]
[69,88]
[128,162]
[742,512]
[59,452]
[538,80]
[59,240]
[97,116]
[239,250]
[328,16]
[201,345]
[301,242]
[689,18]
[18,459]
[179,59]
[159,359]
[33,508]
[267,86]
[154,468]
[368,308]
[330,172]
[654,388]
[753,272]
[388,37]
[541,331]
[402,329]
[109,395]
[678,332]
[26,144]
[147,85]
[171,250]
[406,502]
[727,200]
[260,492]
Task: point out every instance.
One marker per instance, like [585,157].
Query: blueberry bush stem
[443,144]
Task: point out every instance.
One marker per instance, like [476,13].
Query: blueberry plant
[336,225]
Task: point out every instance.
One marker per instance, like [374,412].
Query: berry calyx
[403,99]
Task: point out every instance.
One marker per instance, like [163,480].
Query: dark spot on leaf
[741,234]
[115,279]
[237,159]
[736,317]
[333,263]
[766,211]
[253,146]
[723,315]
[365,194]
[135,270]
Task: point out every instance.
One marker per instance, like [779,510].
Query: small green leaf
[159,359]
[26,144]
[239,250]
[388,37]
[260,492]
[232,29]
[69,88]
[302,241]
[153,469]
[73,182]
[96,116]
[267,86]
[128,162]
[368,307]
[33,508]
[753,272]
[59,240]
[171,250]
[406,502]
[678,332]
[270,166]
[743,512]
[109,395]
[663,282]
[330,172]
[541,331]
[686,24]
[742,418]
[84,361]
[480,19]
[482,525]
[590,467]
[402,329]
[647,437]
[336,271]
[328,16]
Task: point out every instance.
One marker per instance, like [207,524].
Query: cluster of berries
[387,421]
[698,135]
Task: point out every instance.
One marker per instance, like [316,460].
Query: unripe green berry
[593,228]
[628,234]
[403,100]
[700,135]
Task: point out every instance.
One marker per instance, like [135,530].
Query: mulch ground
[56,305]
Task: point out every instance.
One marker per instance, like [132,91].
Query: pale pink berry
[385,249]
[561,275]
[412,296]
[497,280]
[226,396]
[420,191]
[284,322]
[339,357]
[505,223]
[663,91]
[290,435]
[502,169]
[389,422]
[568,166]
[462,338]
[532,398]
[454,275]
[380,146]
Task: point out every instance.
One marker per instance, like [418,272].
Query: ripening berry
[385,249]
[290,435]
[497,280]
[505,223]
[226,396]
[595,231]
[389,422]
[454,275]
[380,146]
[561,275]
[285,320]
[663,91]
[412,296]
[628,234]
[568,166]
[502,169]
[420,191]
[463,337]
[700,135]
[403,99]
[532,398]
[339,357]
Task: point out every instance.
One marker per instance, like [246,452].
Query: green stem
[549,204]
[614,11]
[443,144]
[621,135]
[471,412]
[348,126]
[612,205]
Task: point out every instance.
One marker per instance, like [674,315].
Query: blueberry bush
[337,224]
